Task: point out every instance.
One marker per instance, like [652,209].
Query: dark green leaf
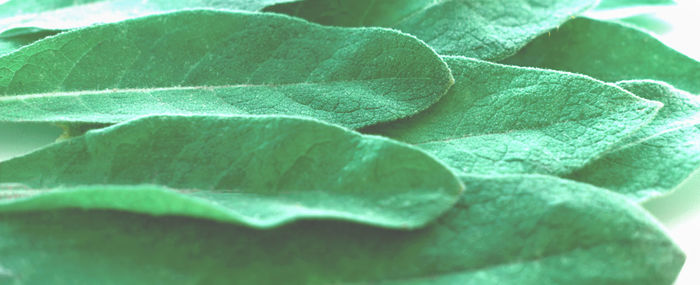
[659,156]
[515,230]
[610,52]
[8,45]
[214,62]
[507,119]
[486,29]
[18,17]
[260,171]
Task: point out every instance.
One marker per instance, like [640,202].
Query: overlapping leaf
[19,17]
[507,119]
[514,230]
[214,62]
[485,29]
[57,218]
[610,52]
[8,45]
[659,156]
[261,171]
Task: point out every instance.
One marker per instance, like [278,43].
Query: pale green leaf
[610,52]
[486,29]
[621,4]
[658,157]
[18,17]
[217,63]
[508,119]
[261,171]
[648,22]
[512,230]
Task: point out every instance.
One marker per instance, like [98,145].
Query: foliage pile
[341,141]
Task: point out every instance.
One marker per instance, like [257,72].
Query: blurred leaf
[620,4]
[610,52]
[511,230]
[19,17]
[647,22]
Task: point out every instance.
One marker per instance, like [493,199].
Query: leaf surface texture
[485,29]
[260,171]
[659,156]
[507,119]
[220,63]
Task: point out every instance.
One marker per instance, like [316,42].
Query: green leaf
[619,4]
[31,7]
[8,45]
[508,119]
[483,29]
[648,22]
[218,63]
[610,52]
[257,170]
[19,17]
[659,156]
[515,230]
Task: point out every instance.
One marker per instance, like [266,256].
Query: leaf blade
[500,119]
[273,64]
[657,158]
[475,243]
[259,171]
[19,17]
[583,46]
[622,4]
[480,29]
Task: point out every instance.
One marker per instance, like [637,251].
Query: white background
[680,211]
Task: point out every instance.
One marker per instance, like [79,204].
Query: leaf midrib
[178,88]
[505,132]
